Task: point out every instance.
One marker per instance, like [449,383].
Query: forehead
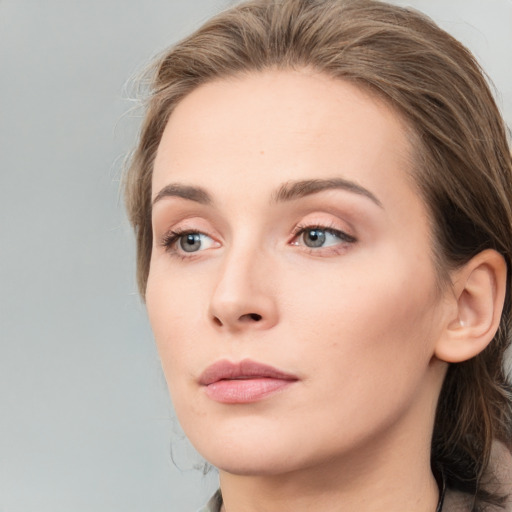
[259,130]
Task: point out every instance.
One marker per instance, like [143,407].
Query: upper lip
[246,369]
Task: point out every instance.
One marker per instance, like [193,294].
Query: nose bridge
[244,295]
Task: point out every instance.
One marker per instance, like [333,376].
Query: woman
[322,201]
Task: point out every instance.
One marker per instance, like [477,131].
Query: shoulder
[214,503]
[498,479]
[500,474]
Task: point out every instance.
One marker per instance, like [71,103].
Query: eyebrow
[287,192]
[197,194]
[297,189]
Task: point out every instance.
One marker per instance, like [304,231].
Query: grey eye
[191,242]
[314,237]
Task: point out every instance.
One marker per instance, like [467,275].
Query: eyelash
[344,237]
[170,239]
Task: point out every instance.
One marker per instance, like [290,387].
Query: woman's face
[291,290]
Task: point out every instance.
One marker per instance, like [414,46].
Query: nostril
[250,317]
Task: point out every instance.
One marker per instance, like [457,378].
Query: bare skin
[288,232]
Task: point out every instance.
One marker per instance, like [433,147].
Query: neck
[332,488]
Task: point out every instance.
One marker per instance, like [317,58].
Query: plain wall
[85,421]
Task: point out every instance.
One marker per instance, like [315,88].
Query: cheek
[368,316]
[176,309]
[367,345]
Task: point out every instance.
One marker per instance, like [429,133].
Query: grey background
[85,421]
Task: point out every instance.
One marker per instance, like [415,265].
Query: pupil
[191,242]
[315,238]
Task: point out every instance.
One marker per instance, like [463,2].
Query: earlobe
[478,292]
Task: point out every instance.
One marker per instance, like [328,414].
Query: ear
[478,295]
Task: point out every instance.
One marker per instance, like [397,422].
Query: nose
[244,295]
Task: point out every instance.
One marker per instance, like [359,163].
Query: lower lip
[243,391]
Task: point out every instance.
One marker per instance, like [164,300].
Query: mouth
[243,382]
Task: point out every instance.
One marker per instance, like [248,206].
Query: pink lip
[243,382]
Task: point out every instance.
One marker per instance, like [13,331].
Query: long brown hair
[463,166]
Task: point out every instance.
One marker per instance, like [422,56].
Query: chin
[254,464]
[250,457]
